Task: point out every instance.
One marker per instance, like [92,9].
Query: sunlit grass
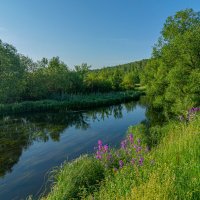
[174,173]
[169,171]
[75,179]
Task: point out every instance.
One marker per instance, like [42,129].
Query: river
[32,145]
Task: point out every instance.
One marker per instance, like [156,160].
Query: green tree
[57,75]
[12,74]
[129,81]
[116,80]
[171,73]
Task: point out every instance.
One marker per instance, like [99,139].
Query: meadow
[168,171]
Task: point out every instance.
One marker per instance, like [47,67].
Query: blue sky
[99,32]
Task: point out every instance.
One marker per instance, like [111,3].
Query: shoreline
[74,104]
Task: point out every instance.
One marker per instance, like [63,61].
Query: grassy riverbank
[169,171]
[72,102]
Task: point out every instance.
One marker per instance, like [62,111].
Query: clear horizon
[100,33]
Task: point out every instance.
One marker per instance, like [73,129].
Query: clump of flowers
[131,153]
[191,113]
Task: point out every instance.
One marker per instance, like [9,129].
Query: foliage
[74,179]
[168,171]
[131,153]
[52,79]
[11,74]
[171,170]
[71,102]
[172,75]
[121,77]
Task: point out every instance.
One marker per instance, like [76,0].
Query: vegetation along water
[170,170]
[156,159]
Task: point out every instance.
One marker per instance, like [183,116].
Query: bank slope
[170,171]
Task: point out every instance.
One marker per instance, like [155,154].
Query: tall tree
[11,74]
[175,64]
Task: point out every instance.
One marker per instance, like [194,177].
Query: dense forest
[22,79]
[172,75]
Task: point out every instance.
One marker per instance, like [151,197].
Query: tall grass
[169,171]
[174,171]
[71,102]
[77,178]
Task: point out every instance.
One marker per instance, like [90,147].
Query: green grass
[171,171]
[77,178]
[71,103]
[175,174]
[138,87]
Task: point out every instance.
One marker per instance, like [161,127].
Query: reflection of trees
[155,118]
[14,137]
[130,106]
[18,132]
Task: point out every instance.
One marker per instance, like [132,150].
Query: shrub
[76,179]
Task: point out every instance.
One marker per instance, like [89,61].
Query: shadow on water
[18,133]
[32,144]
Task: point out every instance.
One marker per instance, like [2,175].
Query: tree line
[22,79]
[171,75]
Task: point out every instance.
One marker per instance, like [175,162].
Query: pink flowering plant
[131,152]
[190,114]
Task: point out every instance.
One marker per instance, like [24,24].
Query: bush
[74,180]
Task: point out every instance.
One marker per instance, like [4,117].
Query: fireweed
[131,153]
[191,113]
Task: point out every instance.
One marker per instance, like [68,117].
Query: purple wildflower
[121,163]
[123,144]
[98,155]
[139,141]
[141,161]
[131,138]
[192,112]
[100,144]
[105,147]
[138,149]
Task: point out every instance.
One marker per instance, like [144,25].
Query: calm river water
[31,145]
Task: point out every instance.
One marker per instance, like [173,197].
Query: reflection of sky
[28,174]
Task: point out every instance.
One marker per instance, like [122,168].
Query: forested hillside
[22,79]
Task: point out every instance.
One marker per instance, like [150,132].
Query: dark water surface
[31,145]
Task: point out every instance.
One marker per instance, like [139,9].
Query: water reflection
[154,116]
[17,133]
